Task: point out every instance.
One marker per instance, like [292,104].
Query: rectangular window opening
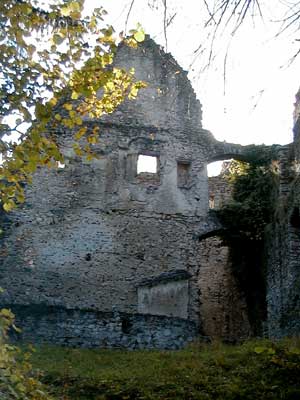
[147,164]
[183,173]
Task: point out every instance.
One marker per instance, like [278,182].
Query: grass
[253,370]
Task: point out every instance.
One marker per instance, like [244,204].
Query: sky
[249,101]
[253,101]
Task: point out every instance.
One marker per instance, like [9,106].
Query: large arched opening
[231,279]
[223,306]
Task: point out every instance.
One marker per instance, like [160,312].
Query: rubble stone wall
[90,232]
[283,249]
[220,191]
[223,306]
[86,328]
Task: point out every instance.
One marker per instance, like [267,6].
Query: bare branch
[128,15]
[165,23]
[292,59]
[225,71]
[170,20]
[209,12]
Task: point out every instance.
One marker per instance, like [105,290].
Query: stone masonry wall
[223,307]
[220,189]
[283,244]
[90,232]
[86,328]
[283,248]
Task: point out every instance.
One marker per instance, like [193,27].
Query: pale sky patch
[255,105]
[260,89]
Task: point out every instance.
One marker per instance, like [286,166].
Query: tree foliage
[252,205]
[17,380]
[53,56]
[55,68]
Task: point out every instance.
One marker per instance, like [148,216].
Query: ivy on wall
[254,189]
[252,205]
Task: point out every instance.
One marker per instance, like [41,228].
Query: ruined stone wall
[220,189]
[283,249]
[65,248]
[220,192]
[87,328]
[283,280]
[297,133]
[223,307]
[91,232]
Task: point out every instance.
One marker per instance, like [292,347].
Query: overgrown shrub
[17,380]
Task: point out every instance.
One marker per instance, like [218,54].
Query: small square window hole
[147,164]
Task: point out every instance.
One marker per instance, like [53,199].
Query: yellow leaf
[110,85]
[72,8]
[78,121]
[92,139]
[80,133]
[77,150]
[68,106]
[74,95]
[53,101]
[58,117]
[133,93]
[68,123]
[21,198]
[139,36]
[65,11]
[9,205]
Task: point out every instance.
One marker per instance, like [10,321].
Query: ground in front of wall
[257,369]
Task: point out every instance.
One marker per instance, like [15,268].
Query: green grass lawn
[253,370]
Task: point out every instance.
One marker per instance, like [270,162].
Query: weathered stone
[90,233]
[283,245]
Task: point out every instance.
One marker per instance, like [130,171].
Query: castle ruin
[102,254]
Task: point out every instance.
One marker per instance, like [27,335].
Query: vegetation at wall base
[18,381]
[257,369]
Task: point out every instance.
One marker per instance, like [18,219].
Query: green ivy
[252,205]
[254,188]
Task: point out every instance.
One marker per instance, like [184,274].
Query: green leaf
[139,35]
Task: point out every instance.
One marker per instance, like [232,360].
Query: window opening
[215,168]
[60,165]
[183,173]
[219,188]
[147,164]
